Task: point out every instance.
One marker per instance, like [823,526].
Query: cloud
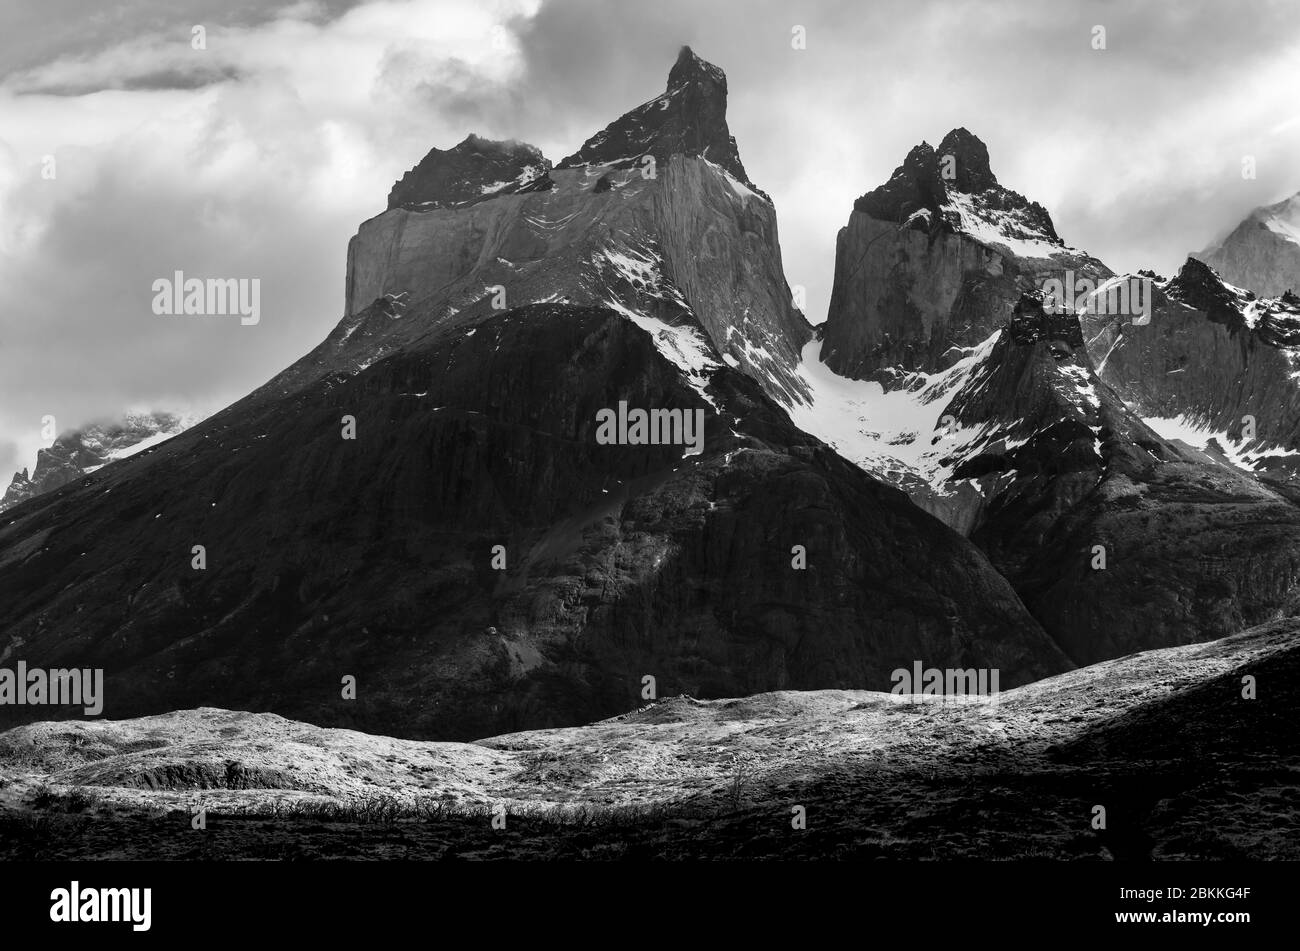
[34,33]
[191,76]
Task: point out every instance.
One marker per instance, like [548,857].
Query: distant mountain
[1262,254]
[81,451]
[1217,368]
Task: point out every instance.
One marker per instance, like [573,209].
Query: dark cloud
[175,78]
[36,32]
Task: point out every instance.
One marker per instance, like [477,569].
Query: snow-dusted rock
[1262,253]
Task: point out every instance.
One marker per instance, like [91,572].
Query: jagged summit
[972,160]
[1215,366]
[689,118]
[931,262]
[472,171]
[953,188]
[689,68]
[1199,286]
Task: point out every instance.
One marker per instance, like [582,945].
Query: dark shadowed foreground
[1185,767]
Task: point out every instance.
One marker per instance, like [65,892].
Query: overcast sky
[259,155]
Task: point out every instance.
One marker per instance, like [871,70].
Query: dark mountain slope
[372,557]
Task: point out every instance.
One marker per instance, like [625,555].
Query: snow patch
[897,433]
[1197,434]
[993,226]
[682,346]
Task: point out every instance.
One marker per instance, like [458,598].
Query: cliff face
[691,240]
[1216,366]
[684,234]
[475,170]
[1262,254]
[1114,537]
[690,118]
[932,261]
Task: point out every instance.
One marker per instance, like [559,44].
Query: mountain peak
[474,169]
[1263,251]
[953,186]
[689,68]
[971,160]
[688,118]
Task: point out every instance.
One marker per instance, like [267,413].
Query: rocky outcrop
[931,263]
[78,452]
[1262,253]
[1215,359]
[691,233]
[689,118]
[1116,539]
[473,171]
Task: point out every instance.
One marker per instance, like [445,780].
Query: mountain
[1263,252]
[683,238]
[989,411]
[930,263]
[477,557]
[79,452]
[690,118]
[1217,368]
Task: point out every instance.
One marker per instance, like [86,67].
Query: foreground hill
[1185,766]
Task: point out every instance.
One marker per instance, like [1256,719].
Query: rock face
[1215,367]
[689,234]
[690,118]
[474,171]
[760,560]
[81,451]
[1063,467]
[931,262]
[1262,253]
